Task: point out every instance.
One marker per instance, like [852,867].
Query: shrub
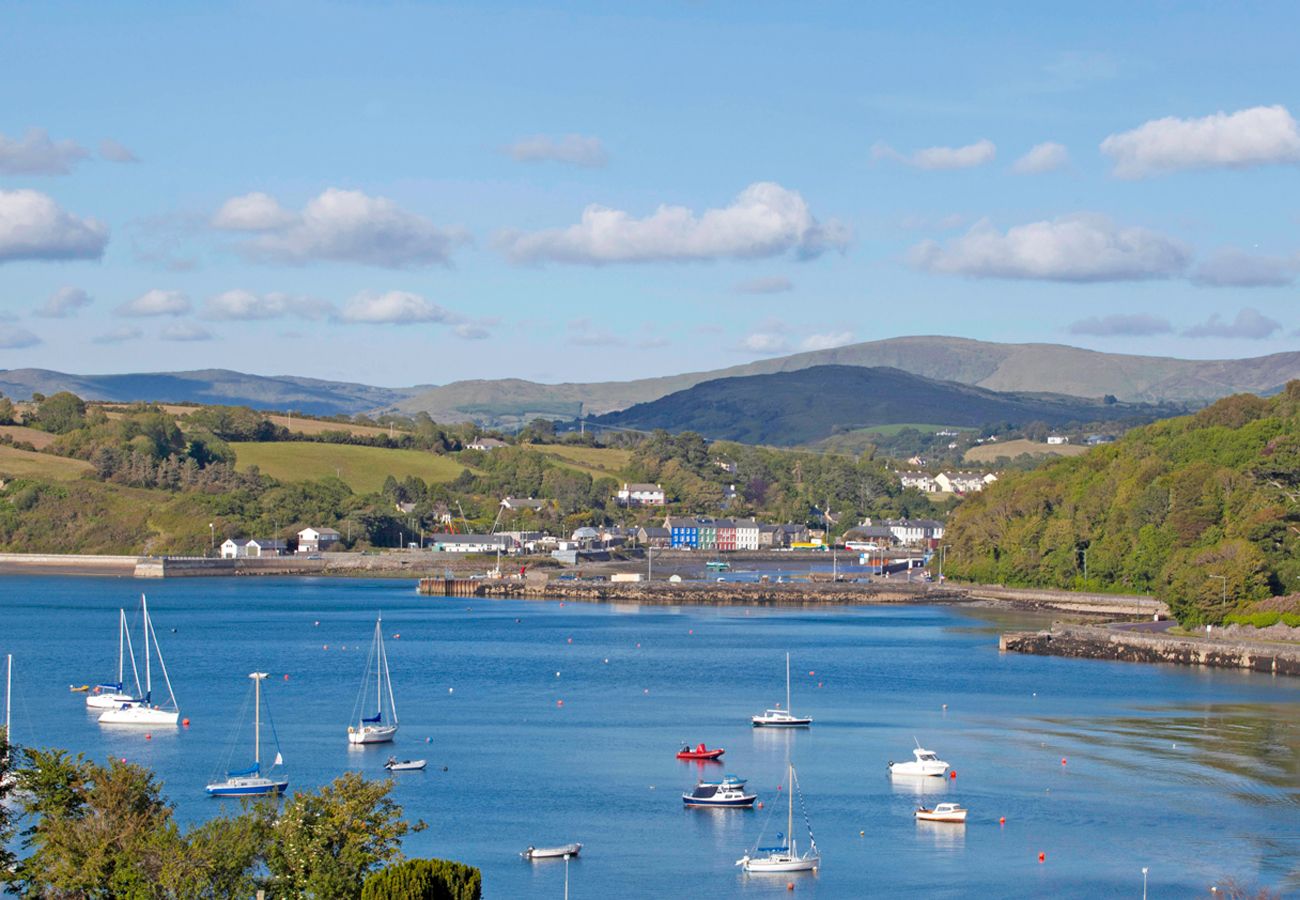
[424,879]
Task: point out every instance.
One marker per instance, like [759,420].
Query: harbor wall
[1095,642]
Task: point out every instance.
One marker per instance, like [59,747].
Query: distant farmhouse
[486,443]
[640,495]
[518,503]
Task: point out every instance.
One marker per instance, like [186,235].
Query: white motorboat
[373,729]
[942,812]
[142,711]
[114,695]
[926,763]
[250,782]
[561,852]
[729,792]
[785,856]
[404,765]
[782,718]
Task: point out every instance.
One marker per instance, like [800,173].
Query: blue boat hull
[274,788]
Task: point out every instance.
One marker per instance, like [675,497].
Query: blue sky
[405,193]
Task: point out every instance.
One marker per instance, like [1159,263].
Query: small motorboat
[942,812]
[78,688]
[729,792]
[926,763]
[404,765]
[560,852]
[701,751]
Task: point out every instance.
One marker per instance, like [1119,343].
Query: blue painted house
[683,532]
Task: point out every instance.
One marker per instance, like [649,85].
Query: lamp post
[649,562]
[212,538]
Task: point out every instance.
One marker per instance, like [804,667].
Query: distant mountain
[213,386]
[801,407]
[1051,368]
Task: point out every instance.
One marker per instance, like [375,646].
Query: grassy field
[296,424]
[595,461]
[1012,449]
[21,463]
[38,439]
[363,468]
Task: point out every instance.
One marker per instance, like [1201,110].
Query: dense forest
[1203,511]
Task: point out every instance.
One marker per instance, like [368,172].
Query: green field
[363,468]
[1012,449]
[595,461]
[25,463]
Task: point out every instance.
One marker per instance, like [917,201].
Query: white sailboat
[112,696]
[142,711]
[782,718]
[250,782]
[785,857]
[373,729]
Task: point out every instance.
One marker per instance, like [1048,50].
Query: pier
[1099,642]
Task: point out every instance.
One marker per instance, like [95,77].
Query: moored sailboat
[785,856]
[373,729]
[141,710]
[113,695]
[250,782]
[782,718]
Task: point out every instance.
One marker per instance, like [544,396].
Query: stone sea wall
[1094,642]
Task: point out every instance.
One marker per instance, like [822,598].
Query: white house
[486,443]
[316,540]
[746,534]
[472,543]
[1057,439]
[918,480]
[961,482]
[232,548]
[235,548]
[641,495]
[914,531]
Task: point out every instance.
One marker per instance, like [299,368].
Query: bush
[424,879]
[1264,619]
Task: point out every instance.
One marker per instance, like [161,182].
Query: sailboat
[785,857]
[782,718]
[141,711]
[251,782]
[372,729]
[112,696]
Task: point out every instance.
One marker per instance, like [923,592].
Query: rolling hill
[792,408]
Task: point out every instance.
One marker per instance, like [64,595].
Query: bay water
[546,722]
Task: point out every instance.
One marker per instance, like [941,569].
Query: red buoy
[1062,760]
[1002,820]
[148,737]
[185,722]
[1042,857]
[559,702]
[952,774]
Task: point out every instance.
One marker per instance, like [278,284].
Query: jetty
[1110,643]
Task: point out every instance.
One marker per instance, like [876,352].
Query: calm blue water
[1194,774]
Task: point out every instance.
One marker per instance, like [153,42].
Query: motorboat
[782,718]
[142,711]
[942,812]
[561,852]
[250,782]
[729,792]
[926,763]
[373,729]
[112,695]
[701,751]
[404,765]
[785,855]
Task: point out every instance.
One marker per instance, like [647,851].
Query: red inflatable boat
[700,752]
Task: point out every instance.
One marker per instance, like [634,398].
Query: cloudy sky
[403,193]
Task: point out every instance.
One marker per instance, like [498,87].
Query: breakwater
[1094,642]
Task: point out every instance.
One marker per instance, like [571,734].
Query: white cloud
[585,333]
[120,334]
[337,226]
[252,212]
[1231,267]
[1136,325]
[112,151]
[771,284]
[33,226]
[765,220]
[14,338]
[1250,324]
[1079,248]
[1261,135]
[471,332]
[185,331]
[63,303]
[940,158]
[653,343]
[242,305]
[155,303]
[826,341]
[764,343]
[1046,157]
[36,154]
[394,307]
[575,149]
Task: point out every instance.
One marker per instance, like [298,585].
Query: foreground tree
[424,879]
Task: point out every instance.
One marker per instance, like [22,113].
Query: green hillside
[1203,511]
[809,405]
[362,468]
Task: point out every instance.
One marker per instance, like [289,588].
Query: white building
[316,540]
[914,531]
[640,495]
[919,480]
[963,482]
[1057,439]
[746,534]
[256,548]
[472,543]
[486,443]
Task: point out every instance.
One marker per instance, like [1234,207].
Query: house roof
[523,503]
[270,543]
[503,540]
[655,531]
[643,488]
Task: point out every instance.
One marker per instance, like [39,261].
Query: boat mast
[121,644]
[163,665]
[257,718]
[388,680]
[148,678]
[787,681]
[9,679]
[789,826]
[379,663]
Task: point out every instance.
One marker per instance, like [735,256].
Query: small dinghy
[404,765]
[943,812]
[560,852]
[701,751]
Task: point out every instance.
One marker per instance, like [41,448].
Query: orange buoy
[1002,820]
[1042,857]
[185,722]
[952,774]
[811,673]
[148,737]
[789,885]
[559,702]
[760,802]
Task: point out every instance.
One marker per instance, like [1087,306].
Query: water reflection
[941,835]
[917,785]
